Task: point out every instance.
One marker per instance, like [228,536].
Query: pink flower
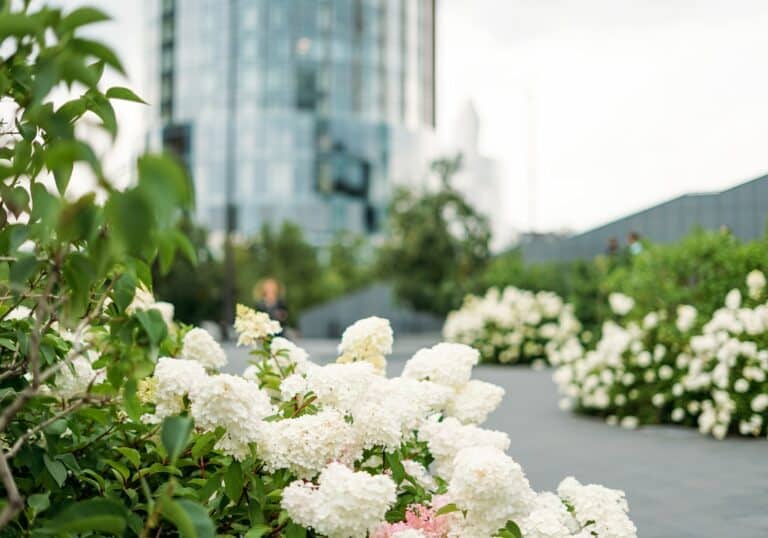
[417,517]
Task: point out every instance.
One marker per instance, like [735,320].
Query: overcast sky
[631,101]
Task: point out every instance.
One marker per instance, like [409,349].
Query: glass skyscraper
[300,110]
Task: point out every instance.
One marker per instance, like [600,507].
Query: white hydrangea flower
[491,487]
[340,386]
[445,439]
[234,403]
[549,518]
[76,377]
[172,380]
[253,326]
[686,317]
[408,533]
[343,504]
[368,339]
[446,364]
[144,300]
[621,304]
[597,509]
[307,444]
[474,401]
[393,408]
[755,283]
[420,474]
[733,300]
[759,403]
[200,346]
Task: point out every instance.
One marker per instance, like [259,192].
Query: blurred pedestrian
[268,293]
[633,243]
[613,246]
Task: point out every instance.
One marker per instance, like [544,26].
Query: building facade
[300,110]
[741,209]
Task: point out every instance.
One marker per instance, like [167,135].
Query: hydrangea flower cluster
[513,325]
[360,454]
[678,368]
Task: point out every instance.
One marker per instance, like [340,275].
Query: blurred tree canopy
[437,243]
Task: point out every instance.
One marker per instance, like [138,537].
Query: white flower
[651,320]
[549,518]
[340,386]
[445,439]
[599,510]
[408,533]
[629,423]
[759,403]
[172,380]
[200,346]
[741,385]
[368,339]
[446,364]
[620,304]
[344,504]
[686,317]
[733,299]
[491,487]
[78,376]
[475,401]
[678,414]
[253,326]
[307,444]
[234,403]
[756,283]
[420,474]
[144,300]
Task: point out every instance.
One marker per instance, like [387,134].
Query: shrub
[513,326]
[677,369]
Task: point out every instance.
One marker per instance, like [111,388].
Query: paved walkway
[679,484]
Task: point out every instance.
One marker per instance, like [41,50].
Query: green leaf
[118,92]
[45,206]
[132,404]
[124,211]
[16,24]
[81,17]
[153,325]
[511,530]
[292,530]
[93,515]
[258,531]
[447,509]
[131,454]
[56,469]
[23,268]
[99,51]
[175,435]
[189,517]
[234,481]
[125,290]
[39,502]
[398,471]
[204,444]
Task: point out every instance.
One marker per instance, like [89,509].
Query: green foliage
[193,283]
[307,274]
[73,461]
[699,270]
[437,243]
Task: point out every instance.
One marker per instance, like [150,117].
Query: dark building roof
[742,209]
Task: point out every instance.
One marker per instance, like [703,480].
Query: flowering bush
[674,367]
[513,326]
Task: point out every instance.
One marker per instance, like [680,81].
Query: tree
[437,242]
[69,271]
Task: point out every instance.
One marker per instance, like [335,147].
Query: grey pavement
[679,483]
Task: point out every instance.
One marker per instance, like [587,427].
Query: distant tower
[478,180]
[330,102]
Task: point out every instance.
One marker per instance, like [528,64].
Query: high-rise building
[300,110]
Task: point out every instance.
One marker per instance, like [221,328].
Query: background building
[301,110]
[741,209]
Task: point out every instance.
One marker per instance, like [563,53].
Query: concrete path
[679,484]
